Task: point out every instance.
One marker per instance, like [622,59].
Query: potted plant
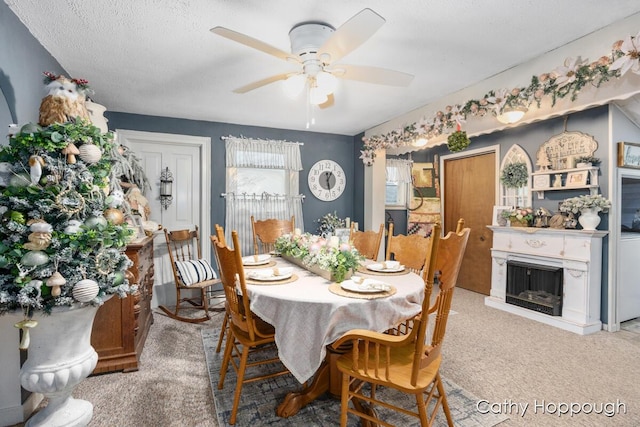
[588,206]
[586,161]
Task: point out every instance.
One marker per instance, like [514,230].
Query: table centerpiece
[328,258]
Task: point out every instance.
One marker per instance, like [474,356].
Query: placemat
[362,269]
[271,263]
[293,278]
[337,289]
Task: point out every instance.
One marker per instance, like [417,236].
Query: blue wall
[317,146]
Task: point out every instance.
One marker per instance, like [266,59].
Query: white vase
[60,356]
[589,218]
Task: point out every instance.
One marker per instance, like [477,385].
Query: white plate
[256,259]
[379,267]
[367,286]
[267,275]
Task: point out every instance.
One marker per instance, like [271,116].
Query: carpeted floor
[259,400]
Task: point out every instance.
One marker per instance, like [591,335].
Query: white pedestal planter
[60,356]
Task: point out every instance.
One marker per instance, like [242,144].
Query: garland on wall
[564,81]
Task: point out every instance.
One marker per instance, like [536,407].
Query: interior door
[183,155]
[469,193]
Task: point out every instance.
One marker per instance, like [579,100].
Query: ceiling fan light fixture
[511,115]
[294,85]
[327,82]
[420,142]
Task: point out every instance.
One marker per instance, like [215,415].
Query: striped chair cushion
[195,271]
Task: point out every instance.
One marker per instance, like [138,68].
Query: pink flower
[345,247]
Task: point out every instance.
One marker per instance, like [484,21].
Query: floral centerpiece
[315,251]
[519,217]
[578,204]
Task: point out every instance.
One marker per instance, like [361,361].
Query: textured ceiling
[159,57]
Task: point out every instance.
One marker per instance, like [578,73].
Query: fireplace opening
[535,287]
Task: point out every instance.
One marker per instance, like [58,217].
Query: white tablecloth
[307,316]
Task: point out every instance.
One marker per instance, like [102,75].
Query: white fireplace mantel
[577,252]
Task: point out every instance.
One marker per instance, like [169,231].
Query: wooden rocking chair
[190,273]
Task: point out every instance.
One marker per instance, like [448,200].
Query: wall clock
[326,180]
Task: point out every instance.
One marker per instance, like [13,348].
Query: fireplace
[534,287]
[549,275]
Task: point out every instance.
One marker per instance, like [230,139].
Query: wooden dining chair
[247,332]
[410,250]
[224,328]
[190,273]
[267,231]
[403,363]
[367,242]
[450,253]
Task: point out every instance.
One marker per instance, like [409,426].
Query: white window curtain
[399,171]
[247,198]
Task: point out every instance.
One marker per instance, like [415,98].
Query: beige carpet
[499,356]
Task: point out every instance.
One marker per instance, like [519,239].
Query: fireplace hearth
[535,287]
[549,275]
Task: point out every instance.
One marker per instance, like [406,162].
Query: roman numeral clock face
[327,180]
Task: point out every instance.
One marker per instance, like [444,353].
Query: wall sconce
[511,114]
[166,184]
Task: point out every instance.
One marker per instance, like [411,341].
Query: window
[398,183]
[262,180]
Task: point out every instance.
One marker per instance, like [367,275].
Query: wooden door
[469,193]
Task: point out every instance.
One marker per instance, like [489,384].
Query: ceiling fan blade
[352,34]
[260,83]
[253,43]
[381,76]
[328,103]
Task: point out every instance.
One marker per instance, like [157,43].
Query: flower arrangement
[328,254]
[577,204]
[56,246]
[328,223]
[520,215]
[564,81]
[515,175]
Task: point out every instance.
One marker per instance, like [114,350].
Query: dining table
[310,312]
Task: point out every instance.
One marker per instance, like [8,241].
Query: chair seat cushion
[195,271]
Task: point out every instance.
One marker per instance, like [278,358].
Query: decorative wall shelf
[584,178]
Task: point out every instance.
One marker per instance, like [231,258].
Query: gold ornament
[114,216]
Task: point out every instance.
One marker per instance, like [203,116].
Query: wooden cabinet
[121,325]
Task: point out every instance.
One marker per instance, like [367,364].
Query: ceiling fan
[316,47]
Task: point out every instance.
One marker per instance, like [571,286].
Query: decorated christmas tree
[62,229]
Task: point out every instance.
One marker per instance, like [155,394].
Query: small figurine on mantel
[543,160]
[542,217]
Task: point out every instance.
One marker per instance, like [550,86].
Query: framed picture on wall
[577,179]
[628,155]
[498,219]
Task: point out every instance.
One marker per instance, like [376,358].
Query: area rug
[259,400]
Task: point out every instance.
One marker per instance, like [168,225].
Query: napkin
[268,273]
[369,284]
